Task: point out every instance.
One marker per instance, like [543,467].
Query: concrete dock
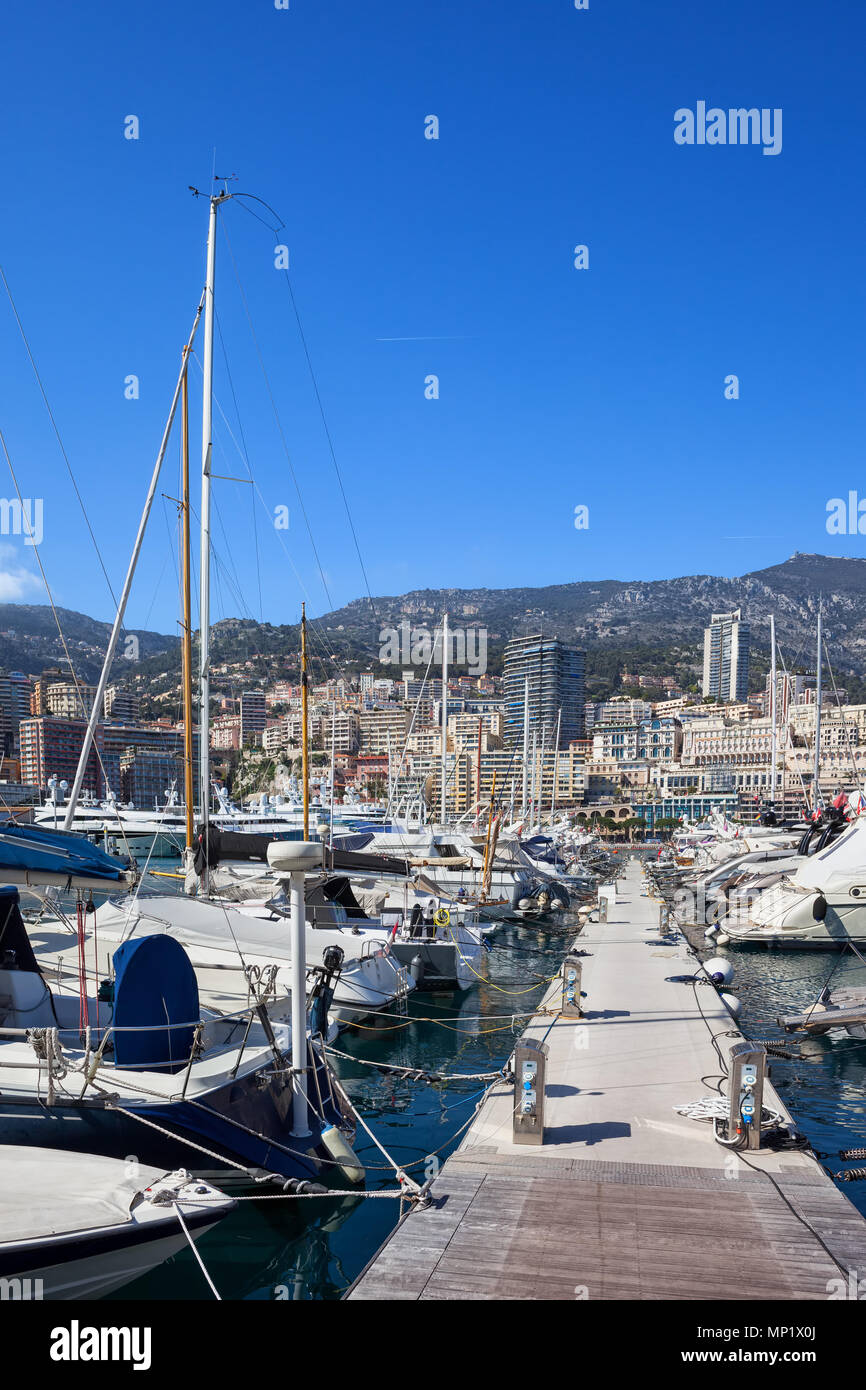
[625,1199]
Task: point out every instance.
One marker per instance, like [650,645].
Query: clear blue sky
[558,387]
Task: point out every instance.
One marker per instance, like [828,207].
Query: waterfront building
[726,657]
[254,715]
[121,705]
[659,738]
[621,709]
[556,675]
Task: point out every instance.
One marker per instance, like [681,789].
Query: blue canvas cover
[55,851]
[155,990]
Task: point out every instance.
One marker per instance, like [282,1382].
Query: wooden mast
[186,627]
[305,771]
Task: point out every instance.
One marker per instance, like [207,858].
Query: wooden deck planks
[623,1201]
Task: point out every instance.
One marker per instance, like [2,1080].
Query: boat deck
[625,1198]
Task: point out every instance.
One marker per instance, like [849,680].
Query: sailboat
[144,1052]
[78,1226]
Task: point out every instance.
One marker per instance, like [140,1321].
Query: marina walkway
[625,1199]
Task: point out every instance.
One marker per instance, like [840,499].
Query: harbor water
[286,1249]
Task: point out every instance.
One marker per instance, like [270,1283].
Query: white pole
[555,763]
[816,798]
[444,712]
[298,938]
[206,447]
[121,607]
[525,804]
[773,719]
[334,762]
[532,778]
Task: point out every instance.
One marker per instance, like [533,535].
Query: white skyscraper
[726,657]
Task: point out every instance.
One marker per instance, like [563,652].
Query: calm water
[313,1250]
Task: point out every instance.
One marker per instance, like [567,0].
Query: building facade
[726,657]
[556,674]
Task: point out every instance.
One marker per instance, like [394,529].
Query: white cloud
[17,583]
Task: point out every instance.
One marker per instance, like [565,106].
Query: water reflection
[297,1250]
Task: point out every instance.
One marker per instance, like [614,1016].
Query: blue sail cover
[32,848]
[155,1004]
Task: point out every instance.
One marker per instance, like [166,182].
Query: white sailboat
[77,1226]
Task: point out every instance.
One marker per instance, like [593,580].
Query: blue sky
[452,257]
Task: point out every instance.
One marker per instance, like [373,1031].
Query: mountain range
[650,626]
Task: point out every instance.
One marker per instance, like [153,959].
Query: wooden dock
[625,1199]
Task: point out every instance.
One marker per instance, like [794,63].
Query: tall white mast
[334,764]
[555,763]
[525,804]
[816,796]
[532,776]
[444,712]
[206,446]
[773,719]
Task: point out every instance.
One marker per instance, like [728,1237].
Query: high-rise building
[556,683]
[254,714]
[50,747]
[70,700]
[39,694]
[121,704]
[726,657]
[15,690]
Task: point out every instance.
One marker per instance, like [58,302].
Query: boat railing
[95,1040]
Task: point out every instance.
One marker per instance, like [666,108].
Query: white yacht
[821,906]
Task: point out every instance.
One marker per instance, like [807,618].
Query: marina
[614,1203]
[432,682]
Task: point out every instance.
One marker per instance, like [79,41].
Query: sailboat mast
[334,764]
[206,449]
[773,717]
[444,712]
[305,770]
[532,776]
[523,807]
[186,631]
[555,763]
[98,701]
[816,797]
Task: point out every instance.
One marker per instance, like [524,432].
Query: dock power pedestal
[570,1007]
[746,1092]
[530,1066]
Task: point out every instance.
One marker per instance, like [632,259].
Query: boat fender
[819,908]
[340,1150]
[732,1004]
[416,968]
[721,972]
[722,939]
